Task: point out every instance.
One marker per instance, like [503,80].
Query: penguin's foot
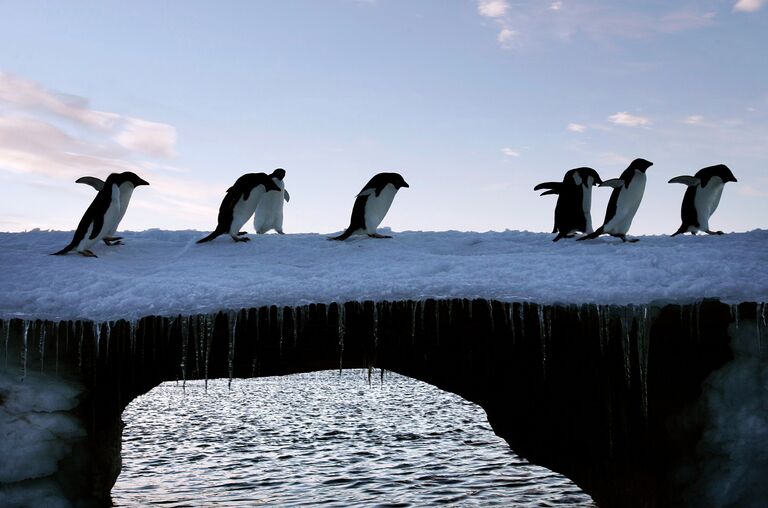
[376,235]
[113,238]
[241,239]
[88,254]
[714,232]
[241,233]
[279,231]
[112,242]
[630,240]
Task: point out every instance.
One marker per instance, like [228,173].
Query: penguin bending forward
[269,212]
[702,197]
[625,199]
[574,201]
[102,215]
[239,204]
[372,204]
[126,190]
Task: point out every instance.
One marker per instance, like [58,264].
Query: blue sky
[474,102]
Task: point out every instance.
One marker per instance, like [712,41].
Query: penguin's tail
[593,235]
[64,250]
[346,234]
[210,237]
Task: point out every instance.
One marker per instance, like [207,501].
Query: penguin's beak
[141,182]
[405,184]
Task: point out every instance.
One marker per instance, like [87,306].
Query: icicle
[469,310]
[626,325]
[735,315]
[375,326]
[413,322]
[97,336]
[231,353]
[24,351]
[437,322]
[41,346]
[183,325]
[208,336]
[521,318]
[79,329]
[643,343]
[108,337]
[7,333]
[422,308]
[280,324]
[342,325]
[56,338]
[132,326]
[600,337]
[450,312]
[510,311]
[542,339]
[295,315]
[490,316]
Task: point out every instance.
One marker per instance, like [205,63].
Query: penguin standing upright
[372,204]
[269,212]
[625,199]
[574,201]
[239,204]
[126,191]
[102,215]
[702,197]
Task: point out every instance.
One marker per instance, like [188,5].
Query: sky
[474,102]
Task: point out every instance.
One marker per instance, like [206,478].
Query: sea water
[323,439]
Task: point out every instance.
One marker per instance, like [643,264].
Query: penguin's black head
[131,177]
[398,181]
[585,173]
[640,165]
[720,170]
[279,173]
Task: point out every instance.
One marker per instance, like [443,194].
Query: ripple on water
[323,439]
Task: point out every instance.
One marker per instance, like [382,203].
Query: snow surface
[165,273]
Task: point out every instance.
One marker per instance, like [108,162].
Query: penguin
[126,190]
[102,215]
[372,204]
[625,199]
[239,204]
[269,212]
[574,201]
[702,197]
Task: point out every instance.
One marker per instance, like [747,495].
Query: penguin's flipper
[686,180]
[65,250]
[549,185]
[553,191]
[591,236]
[377,235]
[211,236]
[613,182]
[287,196]
[559,236]
[94,182]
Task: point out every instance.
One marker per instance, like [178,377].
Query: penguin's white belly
[706,201]
[586,207]
[376,207]
[269,213]
[627,205]
[126,190]
[243,210]
[110,223]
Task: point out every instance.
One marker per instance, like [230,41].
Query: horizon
[474,102]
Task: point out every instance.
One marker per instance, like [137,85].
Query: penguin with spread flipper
[574,201]
[102,215]
[702,197]
[625,199]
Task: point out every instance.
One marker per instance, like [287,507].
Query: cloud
[693,120]
[510,152]
[628,120]
[556,6]
[576,127]
[28,95]
[152,138]
[492,8]
[749,5]
[506,37]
